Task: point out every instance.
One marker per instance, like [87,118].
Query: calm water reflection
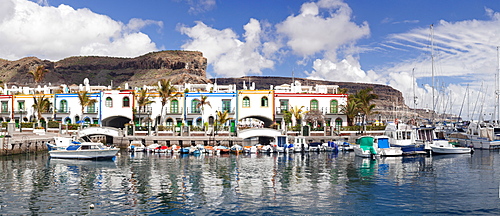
[251,184]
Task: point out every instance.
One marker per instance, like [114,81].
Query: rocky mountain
[181,66]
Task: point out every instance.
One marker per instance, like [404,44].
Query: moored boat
[136,146]
[445,147]
[384,147]
[365,147]
[80,149]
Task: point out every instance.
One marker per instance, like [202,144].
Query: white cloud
[464,53]
[226,53]
[200,6]
[310,33]
[58,32]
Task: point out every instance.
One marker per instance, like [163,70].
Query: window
[334,106]
[91,108]
[226,105]
[174,106]
[284,105]
[63,106]
[264,102]
[314,105]
[246,102]
[169,122]
[126,102]
[194,106]
[20,105]
[109,102]
[5,107]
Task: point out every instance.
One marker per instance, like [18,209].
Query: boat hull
[87,154]
[450,150]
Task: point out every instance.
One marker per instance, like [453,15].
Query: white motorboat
[67,148]
[136,146]
[300,145]
[385,148]
[445,147]
[280,145]
[365,147]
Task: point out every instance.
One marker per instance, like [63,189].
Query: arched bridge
[109,131]
[258,132]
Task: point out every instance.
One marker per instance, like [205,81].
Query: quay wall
[11,146]
[27,142]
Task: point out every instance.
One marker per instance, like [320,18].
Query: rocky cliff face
[142,70]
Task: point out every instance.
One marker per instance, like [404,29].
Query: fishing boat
[136,146]
[330,146]
[300,145]
[405,136]
[68,148]
[385,148]
[365,147]
[445,147]
[315,146]
[280,145]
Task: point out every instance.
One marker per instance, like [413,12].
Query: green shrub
[4,124]
[53,124]
[27,124]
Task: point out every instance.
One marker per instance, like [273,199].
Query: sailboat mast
[497,84]
[432,72]
[414,97]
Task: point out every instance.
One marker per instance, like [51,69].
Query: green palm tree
[40,105]
[222,117]
[38,73]
[298,113]
[143,100]
[166,91]
[85,100]
[364,98]
[203,102]
[351,109]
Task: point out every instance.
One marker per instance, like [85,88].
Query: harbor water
[262,184]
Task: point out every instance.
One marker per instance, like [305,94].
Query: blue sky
[384,42]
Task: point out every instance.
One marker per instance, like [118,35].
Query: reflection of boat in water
[67,148]
[365,166]
[85,163]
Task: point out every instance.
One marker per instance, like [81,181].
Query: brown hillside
[146,69]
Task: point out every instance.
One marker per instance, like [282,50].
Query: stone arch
[115,121]
[267,121]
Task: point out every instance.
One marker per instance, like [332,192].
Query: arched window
[314,104]
[109,102]
[338,124]
[334,106]
[246,102]
[194,106]
[264,102]
[169,122]
[174,106]
[91,108]
[63,106]
[126,102]
[67,120]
